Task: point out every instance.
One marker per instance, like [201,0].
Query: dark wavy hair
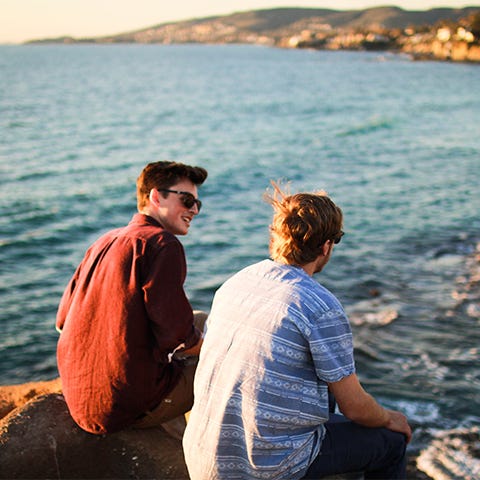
[164,174]
[301,225]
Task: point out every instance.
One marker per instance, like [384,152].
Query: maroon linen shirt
[122,313]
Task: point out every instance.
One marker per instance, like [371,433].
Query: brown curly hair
[164,174]
[301,225]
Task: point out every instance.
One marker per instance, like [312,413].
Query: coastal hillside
[269,26]
[438,34]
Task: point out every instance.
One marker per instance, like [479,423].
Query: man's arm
[360,407]
[167,305]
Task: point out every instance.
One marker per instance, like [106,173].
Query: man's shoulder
[144,227]
[139,236]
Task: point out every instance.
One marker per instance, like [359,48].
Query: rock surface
[40,441]
[14,396]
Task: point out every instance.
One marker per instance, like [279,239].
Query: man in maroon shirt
[124,315]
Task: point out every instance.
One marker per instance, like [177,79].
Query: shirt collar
[143,219]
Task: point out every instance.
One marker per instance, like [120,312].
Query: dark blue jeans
[347,447]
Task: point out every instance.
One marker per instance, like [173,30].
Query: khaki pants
[180,400]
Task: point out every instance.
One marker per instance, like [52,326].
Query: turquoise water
[396,143]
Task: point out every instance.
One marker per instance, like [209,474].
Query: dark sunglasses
[338,237]
[187,198]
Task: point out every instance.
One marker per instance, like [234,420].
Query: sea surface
[395,143]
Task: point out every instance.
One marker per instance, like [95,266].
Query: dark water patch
[369,126]
[39,175]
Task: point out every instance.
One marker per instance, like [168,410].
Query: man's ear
[153,197]
[327,247]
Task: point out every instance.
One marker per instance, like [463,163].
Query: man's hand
[195,350]
[398,423]
[360,407]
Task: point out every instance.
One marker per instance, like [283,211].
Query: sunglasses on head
[187,198]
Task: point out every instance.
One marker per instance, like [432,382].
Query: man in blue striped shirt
[277,342]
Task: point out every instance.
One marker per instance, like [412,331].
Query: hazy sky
[22,20]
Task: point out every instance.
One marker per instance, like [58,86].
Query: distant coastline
[436,34]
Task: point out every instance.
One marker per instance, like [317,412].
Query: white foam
[417,412]
[381,317]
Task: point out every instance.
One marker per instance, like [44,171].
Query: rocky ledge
[39,440]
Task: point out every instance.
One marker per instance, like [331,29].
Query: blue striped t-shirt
[275,338]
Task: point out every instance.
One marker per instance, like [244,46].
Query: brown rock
[14,396]
[40,441]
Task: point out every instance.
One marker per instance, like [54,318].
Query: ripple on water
[452,454]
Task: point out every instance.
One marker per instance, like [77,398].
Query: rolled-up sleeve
[331,345]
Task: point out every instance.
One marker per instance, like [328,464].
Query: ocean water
[395,143]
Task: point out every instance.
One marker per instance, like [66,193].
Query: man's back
[112,366]
[257,393]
